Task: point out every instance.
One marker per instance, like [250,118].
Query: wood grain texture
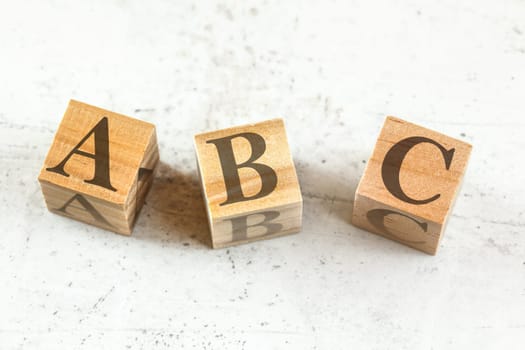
[410,184]
[282,206]
[131,161]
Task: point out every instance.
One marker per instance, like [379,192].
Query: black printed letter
[88,206]
[240,225]
[101,156]
[377,218]
[392,165]
[230,167]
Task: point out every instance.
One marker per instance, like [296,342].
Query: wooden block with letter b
[99,167]
[410,184]
[249,183]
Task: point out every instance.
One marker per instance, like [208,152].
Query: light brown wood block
[100,167]
[249,183]
[410,184]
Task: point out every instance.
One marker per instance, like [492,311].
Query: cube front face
[403,227]
[249,183]
[410,184]
[99,167]
[82,207]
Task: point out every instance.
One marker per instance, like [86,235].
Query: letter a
[101,156]
[88,206]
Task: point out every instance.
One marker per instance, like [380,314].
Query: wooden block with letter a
[249,183]
[410,183]
[99,167]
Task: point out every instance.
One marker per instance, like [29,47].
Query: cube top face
[415,170]
[247,169]
[98,153]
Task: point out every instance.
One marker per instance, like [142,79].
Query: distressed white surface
[333,70]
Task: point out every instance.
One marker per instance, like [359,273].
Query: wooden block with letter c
[100,167]
[410,184]
[249,183]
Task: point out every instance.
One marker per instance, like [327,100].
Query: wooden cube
[99,167]
[410,183]
[249,183]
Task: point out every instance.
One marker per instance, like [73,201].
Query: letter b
[230,167]
[249,181]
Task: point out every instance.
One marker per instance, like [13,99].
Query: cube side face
[96,152]
[415,170]
[410,184]
[245,172]
[97,156]
[265,224]
[91,210]
[396,225]
[143,180]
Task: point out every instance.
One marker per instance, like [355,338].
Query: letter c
[394,159]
